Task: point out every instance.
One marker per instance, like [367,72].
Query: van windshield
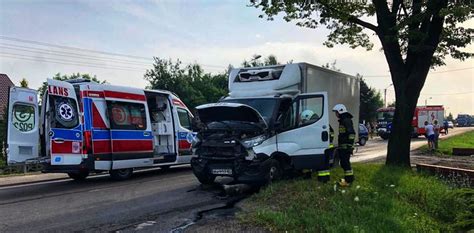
[63,112]
[264,106]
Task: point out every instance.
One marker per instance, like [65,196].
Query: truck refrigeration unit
[85,127]
[422,113]
[275,119]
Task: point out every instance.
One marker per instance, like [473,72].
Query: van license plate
[222,171]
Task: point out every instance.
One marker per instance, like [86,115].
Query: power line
[61,53]
[436,72]
[22,57]
[89,50]
[439,94]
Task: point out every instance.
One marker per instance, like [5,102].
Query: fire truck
[83,127]
[422,113]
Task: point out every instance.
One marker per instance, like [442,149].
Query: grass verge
[382,199]
[445,146]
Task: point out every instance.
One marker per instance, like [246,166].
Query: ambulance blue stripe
[100,134]
[130,135]
[68,134]
[87,113]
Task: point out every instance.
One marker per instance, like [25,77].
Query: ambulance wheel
[121,174]
[78,176]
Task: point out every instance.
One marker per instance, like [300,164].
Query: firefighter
[345,142]
[324,174]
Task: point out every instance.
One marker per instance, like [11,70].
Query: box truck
[85,127]
[275,119]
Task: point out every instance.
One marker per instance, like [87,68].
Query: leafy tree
[24,83]
[268,61]
[64,77]
[414,35]
[331,66]
[450,117]
[370,101]
[190,83]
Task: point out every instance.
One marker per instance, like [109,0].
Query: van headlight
[255,141]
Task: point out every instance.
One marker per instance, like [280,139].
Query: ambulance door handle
[146,134]
[58,140]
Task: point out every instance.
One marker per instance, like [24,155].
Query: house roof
[4,78]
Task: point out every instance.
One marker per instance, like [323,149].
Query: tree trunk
[407,93]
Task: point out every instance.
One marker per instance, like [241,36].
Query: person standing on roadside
[429,132]
[446,127]
[345,140]
[437,130]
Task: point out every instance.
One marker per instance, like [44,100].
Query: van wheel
[121,174]
[78,176]
[362,141]
[274,171]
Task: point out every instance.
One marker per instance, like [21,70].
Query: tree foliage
[415,36]
[370,101]
[255,61]
[193,86]
[24,83]
[65,77]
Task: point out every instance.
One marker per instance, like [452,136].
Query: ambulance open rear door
[22,125]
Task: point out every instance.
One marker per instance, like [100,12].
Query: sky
[211,33]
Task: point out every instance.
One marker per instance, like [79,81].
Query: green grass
[445,146]
[390,200]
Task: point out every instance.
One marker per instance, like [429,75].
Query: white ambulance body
[85,127]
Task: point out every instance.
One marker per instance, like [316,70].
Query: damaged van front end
[227,142]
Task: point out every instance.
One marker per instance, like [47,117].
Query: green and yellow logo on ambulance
[23,117]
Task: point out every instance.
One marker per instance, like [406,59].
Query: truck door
[305,127]
[22,125]
[63,129]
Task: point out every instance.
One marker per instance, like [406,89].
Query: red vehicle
[422,113]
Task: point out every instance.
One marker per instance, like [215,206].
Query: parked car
[363,135]
[450,125]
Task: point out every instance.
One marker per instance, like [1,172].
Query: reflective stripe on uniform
[331,145]
[352,136]
[324,173]
[345,146]
[349,173]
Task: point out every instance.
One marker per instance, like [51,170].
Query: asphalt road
[152,201]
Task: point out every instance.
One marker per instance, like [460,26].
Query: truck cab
[84,127]
[274,120]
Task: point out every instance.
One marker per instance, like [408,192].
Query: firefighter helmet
[339,108]
[306,115]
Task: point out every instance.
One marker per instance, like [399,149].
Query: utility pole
[385,95]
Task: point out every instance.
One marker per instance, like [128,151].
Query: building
[5,84]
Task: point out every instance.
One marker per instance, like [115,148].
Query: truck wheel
[205,178]
[80,176]
[274,171]
[121,174]
[362,141]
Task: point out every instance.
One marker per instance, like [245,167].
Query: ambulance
[83,127]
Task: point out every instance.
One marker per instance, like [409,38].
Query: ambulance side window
[124,115]
[184,118]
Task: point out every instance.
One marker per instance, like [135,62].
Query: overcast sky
[211,33]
